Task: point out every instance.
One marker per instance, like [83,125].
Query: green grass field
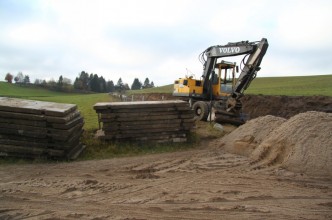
[292,86]
[159,89]
[21,91]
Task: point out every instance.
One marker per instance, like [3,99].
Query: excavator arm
[250,69]
[256,52]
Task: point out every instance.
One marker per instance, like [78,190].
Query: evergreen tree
[82,81]
[60,83]
[38,81]
[110,86]
[146,83]
[44,83]
[94,83]
[119,85]
[84,78]
[102,84]
[26,79]
[78,84]
[136,84]
[126,86]
[91,81]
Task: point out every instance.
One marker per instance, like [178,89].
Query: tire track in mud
[136,172]
[207,164]
[202,184]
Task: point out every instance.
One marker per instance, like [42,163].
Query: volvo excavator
[219,91]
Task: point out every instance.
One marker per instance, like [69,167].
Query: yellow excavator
[219,91]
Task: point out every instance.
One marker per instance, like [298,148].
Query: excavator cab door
[226,73]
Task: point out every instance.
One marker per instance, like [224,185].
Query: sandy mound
[301,144]
[247,137]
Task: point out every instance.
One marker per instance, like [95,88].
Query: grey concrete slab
[35,107]
[140,104]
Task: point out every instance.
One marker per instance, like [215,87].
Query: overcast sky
[160,40]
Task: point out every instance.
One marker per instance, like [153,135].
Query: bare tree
[19,77]
[9,78]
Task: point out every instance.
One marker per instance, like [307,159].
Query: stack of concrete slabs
[159,121]
[30,128]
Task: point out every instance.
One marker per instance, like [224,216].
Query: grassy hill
[21,91]
[159,89]
[292,86]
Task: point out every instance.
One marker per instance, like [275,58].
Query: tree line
[84,82]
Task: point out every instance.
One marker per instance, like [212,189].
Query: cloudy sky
[160,40]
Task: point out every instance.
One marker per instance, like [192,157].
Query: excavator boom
[252,66]
[256,50]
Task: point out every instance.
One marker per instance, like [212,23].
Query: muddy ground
[284,106]
[261,105]
[202,183]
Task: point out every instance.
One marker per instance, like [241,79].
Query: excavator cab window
[215,79]
[226,71]
[227,88]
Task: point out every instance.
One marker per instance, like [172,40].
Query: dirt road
[204,183]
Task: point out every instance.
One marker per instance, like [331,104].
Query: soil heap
[301,144]
[284,106]
[247,137]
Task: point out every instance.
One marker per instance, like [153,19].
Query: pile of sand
[301,144]
[247,137]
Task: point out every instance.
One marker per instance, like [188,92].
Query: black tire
[201,110]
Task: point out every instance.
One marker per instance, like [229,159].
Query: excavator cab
[223,82]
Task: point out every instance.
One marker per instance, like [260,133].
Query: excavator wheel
[201,110]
